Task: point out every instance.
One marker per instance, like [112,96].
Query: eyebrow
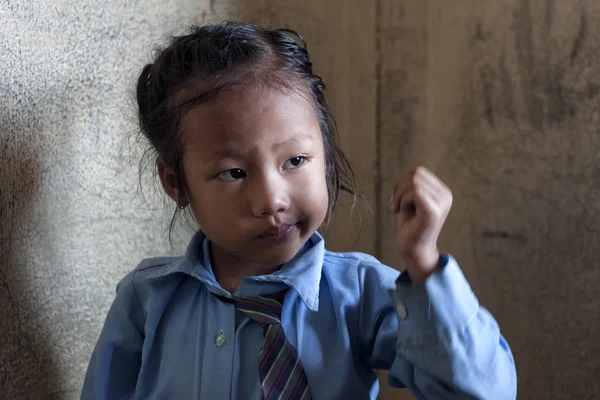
[231,153]
[294,140]
[226,153]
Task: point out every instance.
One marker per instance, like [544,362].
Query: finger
[426,202]
[426,188]
[406,208]
[410,179]
[439,193]
[400,189]
[407,202]
[417,183]
[414,179]
[428,178]
[404,185]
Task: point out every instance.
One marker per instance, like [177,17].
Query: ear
[168,179]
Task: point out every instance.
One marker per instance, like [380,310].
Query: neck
[229,270]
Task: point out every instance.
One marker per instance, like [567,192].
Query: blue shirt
[167,336]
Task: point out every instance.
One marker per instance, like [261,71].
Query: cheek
[211,205]
[315,191]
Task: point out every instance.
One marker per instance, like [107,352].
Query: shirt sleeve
[115,363]
[446,345]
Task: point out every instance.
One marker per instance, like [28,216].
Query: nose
[268,195]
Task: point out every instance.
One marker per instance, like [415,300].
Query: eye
[294,162]
[232,174]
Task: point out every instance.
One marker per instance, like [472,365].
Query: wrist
[422,266]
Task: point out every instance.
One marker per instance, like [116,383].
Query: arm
[448,346]
[434,338]
[115,363]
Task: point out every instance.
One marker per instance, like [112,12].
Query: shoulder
[358,268]
[146,269]
[147,288]
[151,278]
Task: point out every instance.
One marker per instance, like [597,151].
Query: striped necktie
[281,373]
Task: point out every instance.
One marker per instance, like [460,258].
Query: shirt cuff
[435,311]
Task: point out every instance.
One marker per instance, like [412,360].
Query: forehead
[243,118]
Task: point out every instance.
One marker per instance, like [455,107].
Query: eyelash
[222,175]
[303,159]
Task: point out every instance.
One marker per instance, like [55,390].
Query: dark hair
[218,57]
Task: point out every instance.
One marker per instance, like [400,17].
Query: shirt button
[221,338]
[401,311]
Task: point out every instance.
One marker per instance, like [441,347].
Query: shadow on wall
[25,348]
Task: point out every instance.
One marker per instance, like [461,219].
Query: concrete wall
[71,225]
[498,98]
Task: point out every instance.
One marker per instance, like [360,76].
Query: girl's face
[255,166]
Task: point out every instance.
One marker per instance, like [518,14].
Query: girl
[257,308]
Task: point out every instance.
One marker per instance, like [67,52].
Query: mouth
[278,233]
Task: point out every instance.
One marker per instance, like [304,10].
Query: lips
[278,230]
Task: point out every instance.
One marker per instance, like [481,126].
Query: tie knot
[262,309]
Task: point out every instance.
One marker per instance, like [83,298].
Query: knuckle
[449,197]
[413,177]
[421,171]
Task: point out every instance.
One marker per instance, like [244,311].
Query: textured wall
[70,226]
[498,98]
[501,99]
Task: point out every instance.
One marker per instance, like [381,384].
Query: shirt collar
[302,273]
